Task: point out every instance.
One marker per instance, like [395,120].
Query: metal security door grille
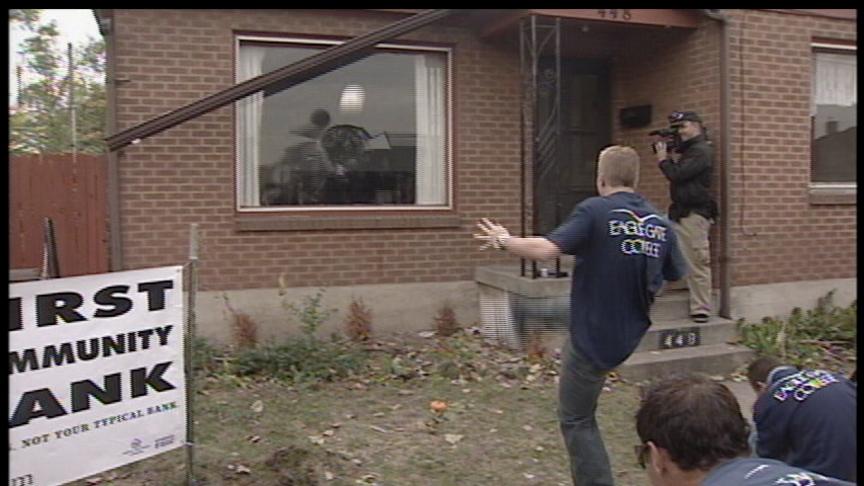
[540,57]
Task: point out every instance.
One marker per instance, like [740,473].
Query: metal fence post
[192,267]
[50,260]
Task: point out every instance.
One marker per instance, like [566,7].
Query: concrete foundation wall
[402,307]
[753,302]
[412,307]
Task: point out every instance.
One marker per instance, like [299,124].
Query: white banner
[96,375]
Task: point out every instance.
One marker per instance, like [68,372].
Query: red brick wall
[166,59]
[186,174]
[671,70]
[776,235]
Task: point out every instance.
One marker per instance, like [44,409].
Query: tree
[42,121]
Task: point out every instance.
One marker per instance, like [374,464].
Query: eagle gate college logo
[646,236]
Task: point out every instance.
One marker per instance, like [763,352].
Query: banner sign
[96,373]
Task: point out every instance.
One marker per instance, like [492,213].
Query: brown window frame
[829,193]
[357,217]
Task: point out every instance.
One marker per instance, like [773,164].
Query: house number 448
[614,13]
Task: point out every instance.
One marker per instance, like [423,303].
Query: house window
[834,114]
[372,134]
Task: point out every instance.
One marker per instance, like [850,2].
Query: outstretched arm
[534,248]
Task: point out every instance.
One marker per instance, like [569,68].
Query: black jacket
[690,179]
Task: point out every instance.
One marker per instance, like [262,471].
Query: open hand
[493,235]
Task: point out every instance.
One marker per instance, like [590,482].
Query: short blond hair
[618,165]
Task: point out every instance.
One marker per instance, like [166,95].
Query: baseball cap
[680,116]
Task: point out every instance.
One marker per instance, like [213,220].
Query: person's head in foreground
[764,370]
[689,425]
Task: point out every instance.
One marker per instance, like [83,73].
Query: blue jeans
[579,387]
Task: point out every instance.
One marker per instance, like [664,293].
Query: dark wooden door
[585,129]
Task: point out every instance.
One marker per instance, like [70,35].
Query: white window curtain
[834,80]
[249,111]
[429,92]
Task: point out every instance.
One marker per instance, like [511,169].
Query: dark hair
[698,421]
[759,369]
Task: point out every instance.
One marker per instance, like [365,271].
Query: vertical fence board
[70,191]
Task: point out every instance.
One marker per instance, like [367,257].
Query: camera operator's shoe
[699,318]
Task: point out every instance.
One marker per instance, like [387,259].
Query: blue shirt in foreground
[808,419]
[623,251]
[765,472]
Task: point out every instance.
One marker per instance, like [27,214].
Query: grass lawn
[499,428]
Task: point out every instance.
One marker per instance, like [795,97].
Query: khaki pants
[692,233]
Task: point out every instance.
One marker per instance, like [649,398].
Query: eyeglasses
[641,452]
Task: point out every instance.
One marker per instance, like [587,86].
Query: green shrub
[305,357]
[300,360]
[203,354]
[826,332]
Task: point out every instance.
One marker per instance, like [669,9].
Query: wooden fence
[71,190]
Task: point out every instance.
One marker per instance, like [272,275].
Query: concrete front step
[668,333]
[673,304]
[712,359]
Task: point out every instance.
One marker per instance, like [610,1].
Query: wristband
[502,242]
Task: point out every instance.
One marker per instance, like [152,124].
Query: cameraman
[692,210]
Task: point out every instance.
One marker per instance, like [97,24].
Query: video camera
[669,135]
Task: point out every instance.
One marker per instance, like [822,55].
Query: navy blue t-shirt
[808,419]
[765,472]
[623,251]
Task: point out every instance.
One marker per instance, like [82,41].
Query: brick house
[452,123]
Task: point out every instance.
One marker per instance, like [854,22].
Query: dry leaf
[316,439]
[327,433]
[258,406]
[438,406]
[452,438]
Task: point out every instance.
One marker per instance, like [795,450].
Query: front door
[585,129]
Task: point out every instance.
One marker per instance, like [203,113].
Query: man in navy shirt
[624,250]
[693,433]
[805,418]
